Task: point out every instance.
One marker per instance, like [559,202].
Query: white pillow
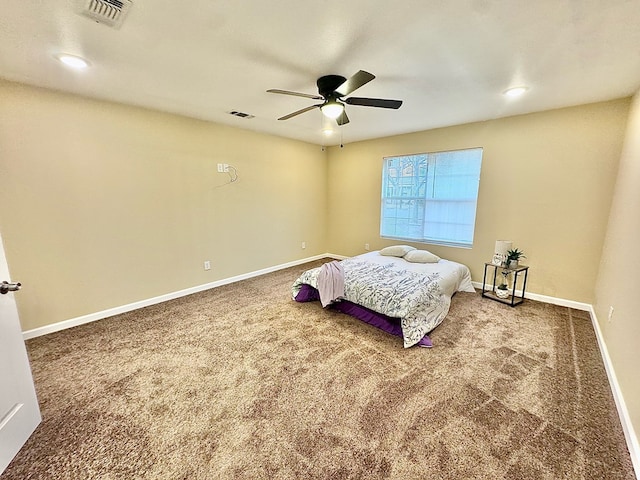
[421,256]
[396,250]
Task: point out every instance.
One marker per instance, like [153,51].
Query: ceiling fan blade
[298,112]
[374,102]
[342,119]
[295,94]
[356,81]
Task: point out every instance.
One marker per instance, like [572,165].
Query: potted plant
[502,291]
[513,257]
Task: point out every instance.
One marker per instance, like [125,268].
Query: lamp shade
[503,247]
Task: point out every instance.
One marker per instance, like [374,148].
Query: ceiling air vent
[241,114]
[107,12]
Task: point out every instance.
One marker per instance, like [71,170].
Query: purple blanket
[389,324]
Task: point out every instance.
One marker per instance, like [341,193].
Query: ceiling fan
[332,89]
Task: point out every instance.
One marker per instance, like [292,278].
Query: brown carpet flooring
[241,382]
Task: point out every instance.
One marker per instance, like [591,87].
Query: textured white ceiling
[449,61]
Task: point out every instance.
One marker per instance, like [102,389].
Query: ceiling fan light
[332,109]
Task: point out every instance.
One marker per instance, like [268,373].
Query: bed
[405,298]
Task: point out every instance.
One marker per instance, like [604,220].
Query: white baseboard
[627,427]
[546,299]
[92,317]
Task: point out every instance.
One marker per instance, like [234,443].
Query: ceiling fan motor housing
[328,84]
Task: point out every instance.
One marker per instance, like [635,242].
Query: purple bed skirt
[389,324]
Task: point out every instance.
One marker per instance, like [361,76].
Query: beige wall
[619,267]
[546,184]
[116,204]
[112,204]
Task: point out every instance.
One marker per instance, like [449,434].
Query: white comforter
[419,294]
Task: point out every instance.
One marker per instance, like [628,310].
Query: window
[431,197]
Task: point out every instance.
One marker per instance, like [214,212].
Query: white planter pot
[502,293]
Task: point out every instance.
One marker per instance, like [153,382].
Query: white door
[19,411]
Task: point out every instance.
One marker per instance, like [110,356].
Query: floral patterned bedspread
[417,299]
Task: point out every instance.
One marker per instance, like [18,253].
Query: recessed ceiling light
[73,61]
[515,91]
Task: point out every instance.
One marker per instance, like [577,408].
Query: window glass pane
[431,197]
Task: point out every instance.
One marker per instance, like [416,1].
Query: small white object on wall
[229,170]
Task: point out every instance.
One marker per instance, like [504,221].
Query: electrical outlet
[304,245]
[220,168]
[225,167]
[366,247]
[207,265]
[610,313]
